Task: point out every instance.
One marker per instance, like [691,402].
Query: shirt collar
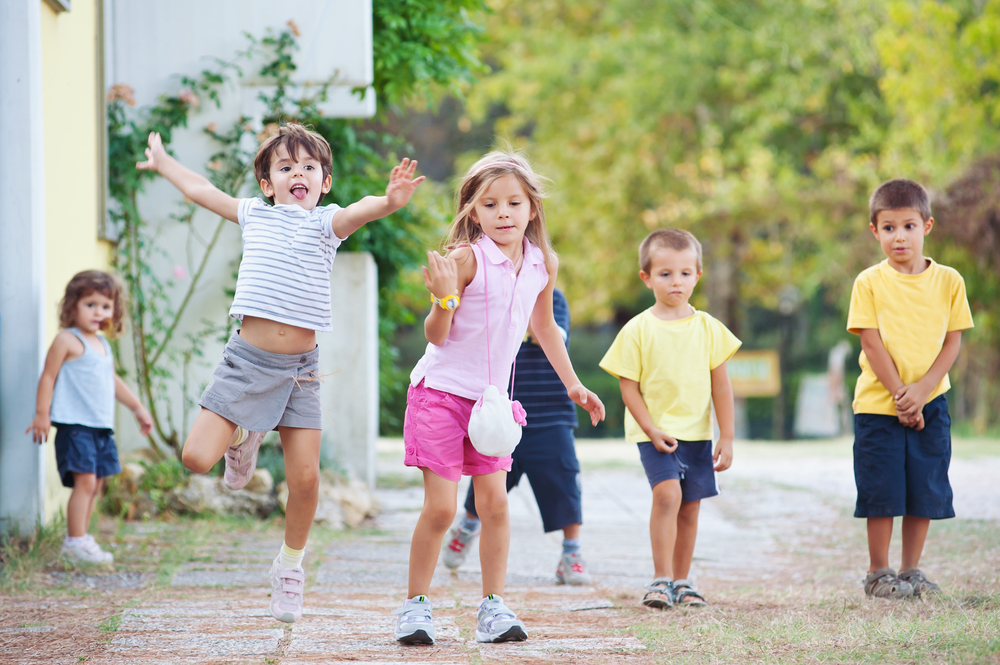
[532,254]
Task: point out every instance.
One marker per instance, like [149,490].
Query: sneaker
[86,550]
[457,546]
[415,624]
[241,460]
[497,623]
[287,585]
[916,579]
[572,570]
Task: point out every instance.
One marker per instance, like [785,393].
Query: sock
[571,545]
[289,558]
[75,541]
[469,524]
[239,436]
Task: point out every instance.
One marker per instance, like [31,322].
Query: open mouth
[299,191]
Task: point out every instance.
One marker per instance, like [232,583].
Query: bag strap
[489,366]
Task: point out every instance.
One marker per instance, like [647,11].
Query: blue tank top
[85,388]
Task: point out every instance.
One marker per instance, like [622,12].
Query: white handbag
[495,423]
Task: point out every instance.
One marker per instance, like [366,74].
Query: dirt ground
[779,557]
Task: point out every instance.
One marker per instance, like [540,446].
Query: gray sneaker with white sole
[415,624]
[497,623]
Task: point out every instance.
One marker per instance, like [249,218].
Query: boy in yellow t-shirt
[909,312]
[671,365]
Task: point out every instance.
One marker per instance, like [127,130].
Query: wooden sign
[755,373]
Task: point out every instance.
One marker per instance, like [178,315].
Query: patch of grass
[24,556]
[398,481]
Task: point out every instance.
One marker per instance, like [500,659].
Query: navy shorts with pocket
[547,455]
[900,471]
[82,449]
[691,463]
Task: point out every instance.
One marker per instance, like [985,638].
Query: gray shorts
[259,391]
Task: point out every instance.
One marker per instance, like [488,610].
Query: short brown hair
[677,239]
[93,281]
[898,194]
[293,136]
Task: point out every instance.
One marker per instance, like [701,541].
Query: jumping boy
[670,361]
[909,312]
[268,375]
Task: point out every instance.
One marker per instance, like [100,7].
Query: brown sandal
[884,583]
[659,595]
[916,578]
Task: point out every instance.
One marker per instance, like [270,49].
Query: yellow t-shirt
[672,361]
[912,314]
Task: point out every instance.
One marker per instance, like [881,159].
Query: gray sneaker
[415,624]
[456,546]
[497,623]
[572,570]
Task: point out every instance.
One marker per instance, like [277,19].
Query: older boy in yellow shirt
[909,312]
[671,364]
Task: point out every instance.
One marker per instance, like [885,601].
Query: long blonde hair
[482,174]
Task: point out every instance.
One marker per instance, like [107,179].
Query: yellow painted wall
[72,98]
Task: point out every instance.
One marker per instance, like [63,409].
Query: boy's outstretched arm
[636,405]
[401,186]
[885,369]
[195,187]
[725,413]
[910,399]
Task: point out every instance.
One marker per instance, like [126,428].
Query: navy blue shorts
[547,455]
[82,449]
[900,471]
[691,464]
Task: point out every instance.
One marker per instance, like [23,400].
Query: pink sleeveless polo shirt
[459,365]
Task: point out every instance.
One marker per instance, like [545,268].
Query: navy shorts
[691,464]
[547,455]
[82,449]
[900,471]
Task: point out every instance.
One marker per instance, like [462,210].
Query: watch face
[451,303]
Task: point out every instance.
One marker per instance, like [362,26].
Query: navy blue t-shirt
[536,384]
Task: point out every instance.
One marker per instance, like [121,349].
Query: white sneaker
[572,570]
[86,550]
[456,546]
[497,623]
[415,624]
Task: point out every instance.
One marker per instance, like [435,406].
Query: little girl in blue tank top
[77,393]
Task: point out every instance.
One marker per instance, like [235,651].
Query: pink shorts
[436,435]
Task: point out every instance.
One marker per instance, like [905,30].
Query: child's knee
[688,512]
[195,462]
[304,481]
[85,482]
[439,518]
[491,507]
[667,495]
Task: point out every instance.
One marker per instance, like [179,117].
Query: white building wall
[148,45]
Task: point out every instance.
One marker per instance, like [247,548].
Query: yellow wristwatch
[448,302]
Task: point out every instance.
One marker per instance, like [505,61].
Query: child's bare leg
[301,449]
[93,502]
[207,442]
[494,539]
[440,502]
[663,526]
[879,536]
[80,504]
[687,533]
[571,531]
[914,535]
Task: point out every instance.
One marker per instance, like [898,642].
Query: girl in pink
[500,268]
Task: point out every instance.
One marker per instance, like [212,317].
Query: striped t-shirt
[288,254]
[536,384]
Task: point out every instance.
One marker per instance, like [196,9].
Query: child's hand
[916,422]
[662,441]
[143,418]
[442,277]
[588,400]
[401,185]
[723,456]
[910,399]
[39,428]
[154,154]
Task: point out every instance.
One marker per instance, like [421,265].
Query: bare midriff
[274,337]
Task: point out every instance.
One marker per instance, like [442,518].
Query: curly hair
[93,281]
